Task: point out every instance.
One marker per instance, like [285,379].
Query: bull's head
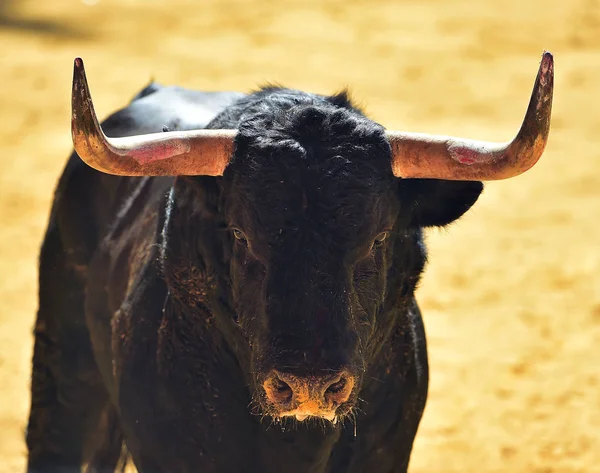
[318,218]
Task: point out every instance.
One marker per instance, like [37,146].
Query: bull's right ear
[203,192]
[434,202]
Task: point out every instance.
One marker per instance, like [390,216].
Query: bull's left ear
[436,202]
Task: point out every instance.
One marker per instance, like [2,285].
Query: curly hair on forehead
[315,141]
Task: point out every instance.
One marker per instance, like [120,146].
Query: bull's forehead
[322,169]
[343,203]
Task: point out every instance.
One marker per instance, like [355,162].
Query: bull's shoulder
[124,273]
[127,250]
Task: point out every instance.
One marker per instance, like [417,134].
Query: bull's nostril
[282,387]
[336,387]
[277,390]
[339,390]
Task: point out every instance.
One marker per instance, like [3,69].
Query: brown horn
[416,155]
[176,153]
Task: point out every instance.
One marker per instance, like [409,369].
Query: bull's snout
[308,396]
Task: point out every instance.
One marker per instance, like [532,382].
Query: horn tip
[547,63]
[546,72]
[78,63]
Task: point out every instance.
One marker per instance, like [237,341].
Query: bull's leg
[67,394]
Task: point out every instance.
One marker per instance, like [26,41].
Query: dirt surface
[511,297]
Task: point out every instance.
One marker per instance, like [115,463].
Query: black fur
[157,324]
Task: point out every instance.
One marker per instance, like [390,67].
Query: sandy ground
[512,295]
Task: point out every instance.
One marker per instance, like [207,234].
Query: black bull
[262,321]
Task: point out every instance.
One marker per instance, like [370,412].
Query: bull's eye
[240,236]
[379,239]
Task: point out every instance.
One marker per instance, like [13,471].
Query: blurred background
[511,297]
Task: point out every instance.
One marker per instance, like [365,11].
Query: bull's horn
[198,152]
[417,155]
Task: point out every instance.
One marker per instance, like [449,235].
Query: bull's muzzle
[308,396]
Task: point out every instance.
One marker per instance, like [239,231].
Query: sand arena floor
[511,298]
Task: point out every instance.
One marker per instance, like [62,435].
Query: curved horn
[176,153]
[416,155]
